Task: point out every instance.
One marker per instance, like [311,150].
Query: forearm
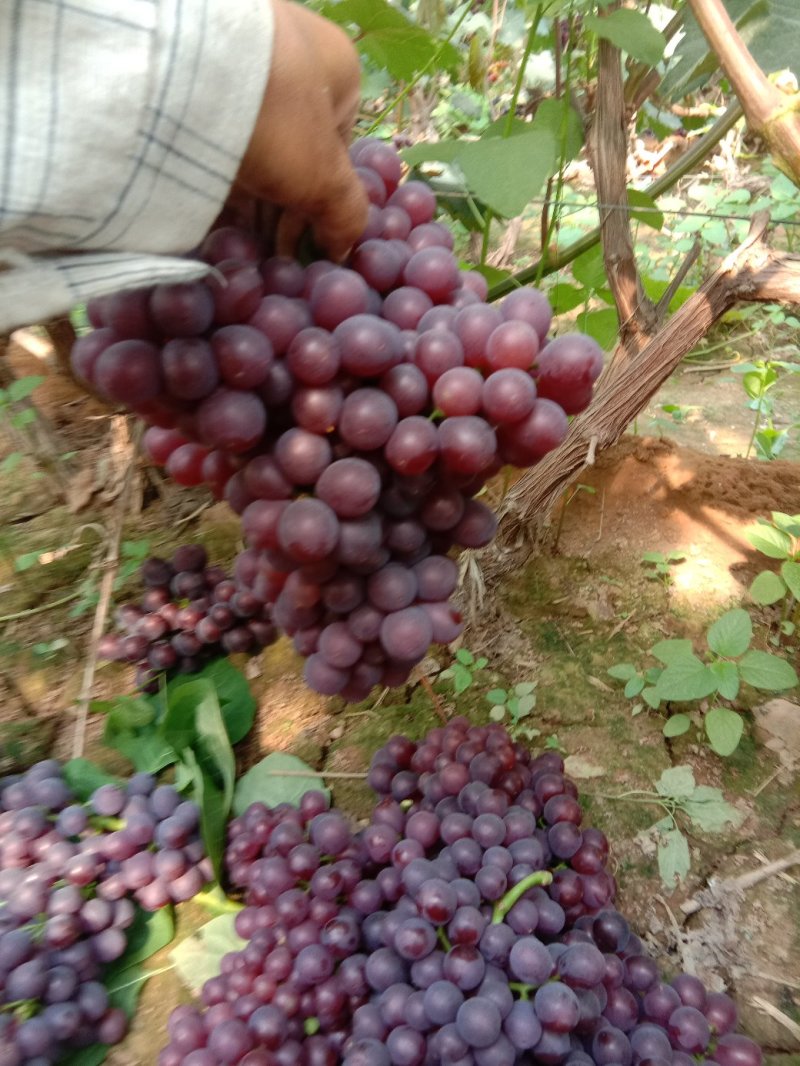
[124,128]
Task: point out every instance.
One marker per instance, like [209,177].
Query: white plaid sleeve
[122,126]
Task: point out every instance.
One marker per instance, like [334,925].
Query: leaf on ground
[676,782]
[198,957]
[724,729]
[264,783]
[709,810]
[577,766]
[674,861]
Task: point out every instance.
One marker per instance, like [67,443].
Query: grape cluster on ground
[471,922]
[71,875]
[189,613]
[350,414]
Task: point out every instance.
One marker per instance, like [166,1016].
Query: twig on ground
[197,511]
[621,625]
[42,607]
[769,780]
[599,536]
[111,563]
[591,454]
[743,882]
[777,1015]
[775,980]
[435,699]
[676,929]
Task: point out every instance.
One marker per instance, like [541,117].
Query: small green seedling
[758,379]
[778,538]
[513,706]
[462,672]
[658,565]
[684,677]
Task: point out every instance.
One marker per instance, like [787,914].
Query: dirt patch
[653,495]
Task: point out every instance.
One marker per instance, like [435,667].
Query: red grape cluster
[68,871]
[469,924]
[189,613]
[350,414]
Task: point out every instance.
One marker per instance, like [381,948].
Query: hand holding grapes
[297,155]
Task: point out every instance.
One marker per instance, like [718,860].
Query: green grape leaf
[643,208]
[265,782]
[632,31]
[506,173]
[199,956]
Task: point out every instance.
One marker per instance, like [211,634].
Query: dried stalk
[752,273]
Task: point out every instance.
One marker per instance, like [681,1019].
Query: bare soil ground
[560,619]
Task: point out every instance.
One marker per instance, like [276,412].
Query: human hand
[297,156]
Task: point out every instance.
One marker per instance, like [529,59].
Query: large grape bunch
[350,414]
[69,875]
[471,922]
[189,613]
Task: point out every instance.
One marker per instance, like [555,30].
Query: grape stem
[523,990]
[315,773]
[443,938]
[504,905]
[217,904]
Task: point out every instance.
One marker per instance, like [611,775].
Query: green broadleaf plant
[677,793]
[778,538]
[685,677]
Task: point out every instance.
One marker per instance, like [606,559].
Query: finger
[341,220]
[288,232]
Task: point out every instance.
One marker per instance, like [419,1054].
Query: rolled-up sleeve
[122,127]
